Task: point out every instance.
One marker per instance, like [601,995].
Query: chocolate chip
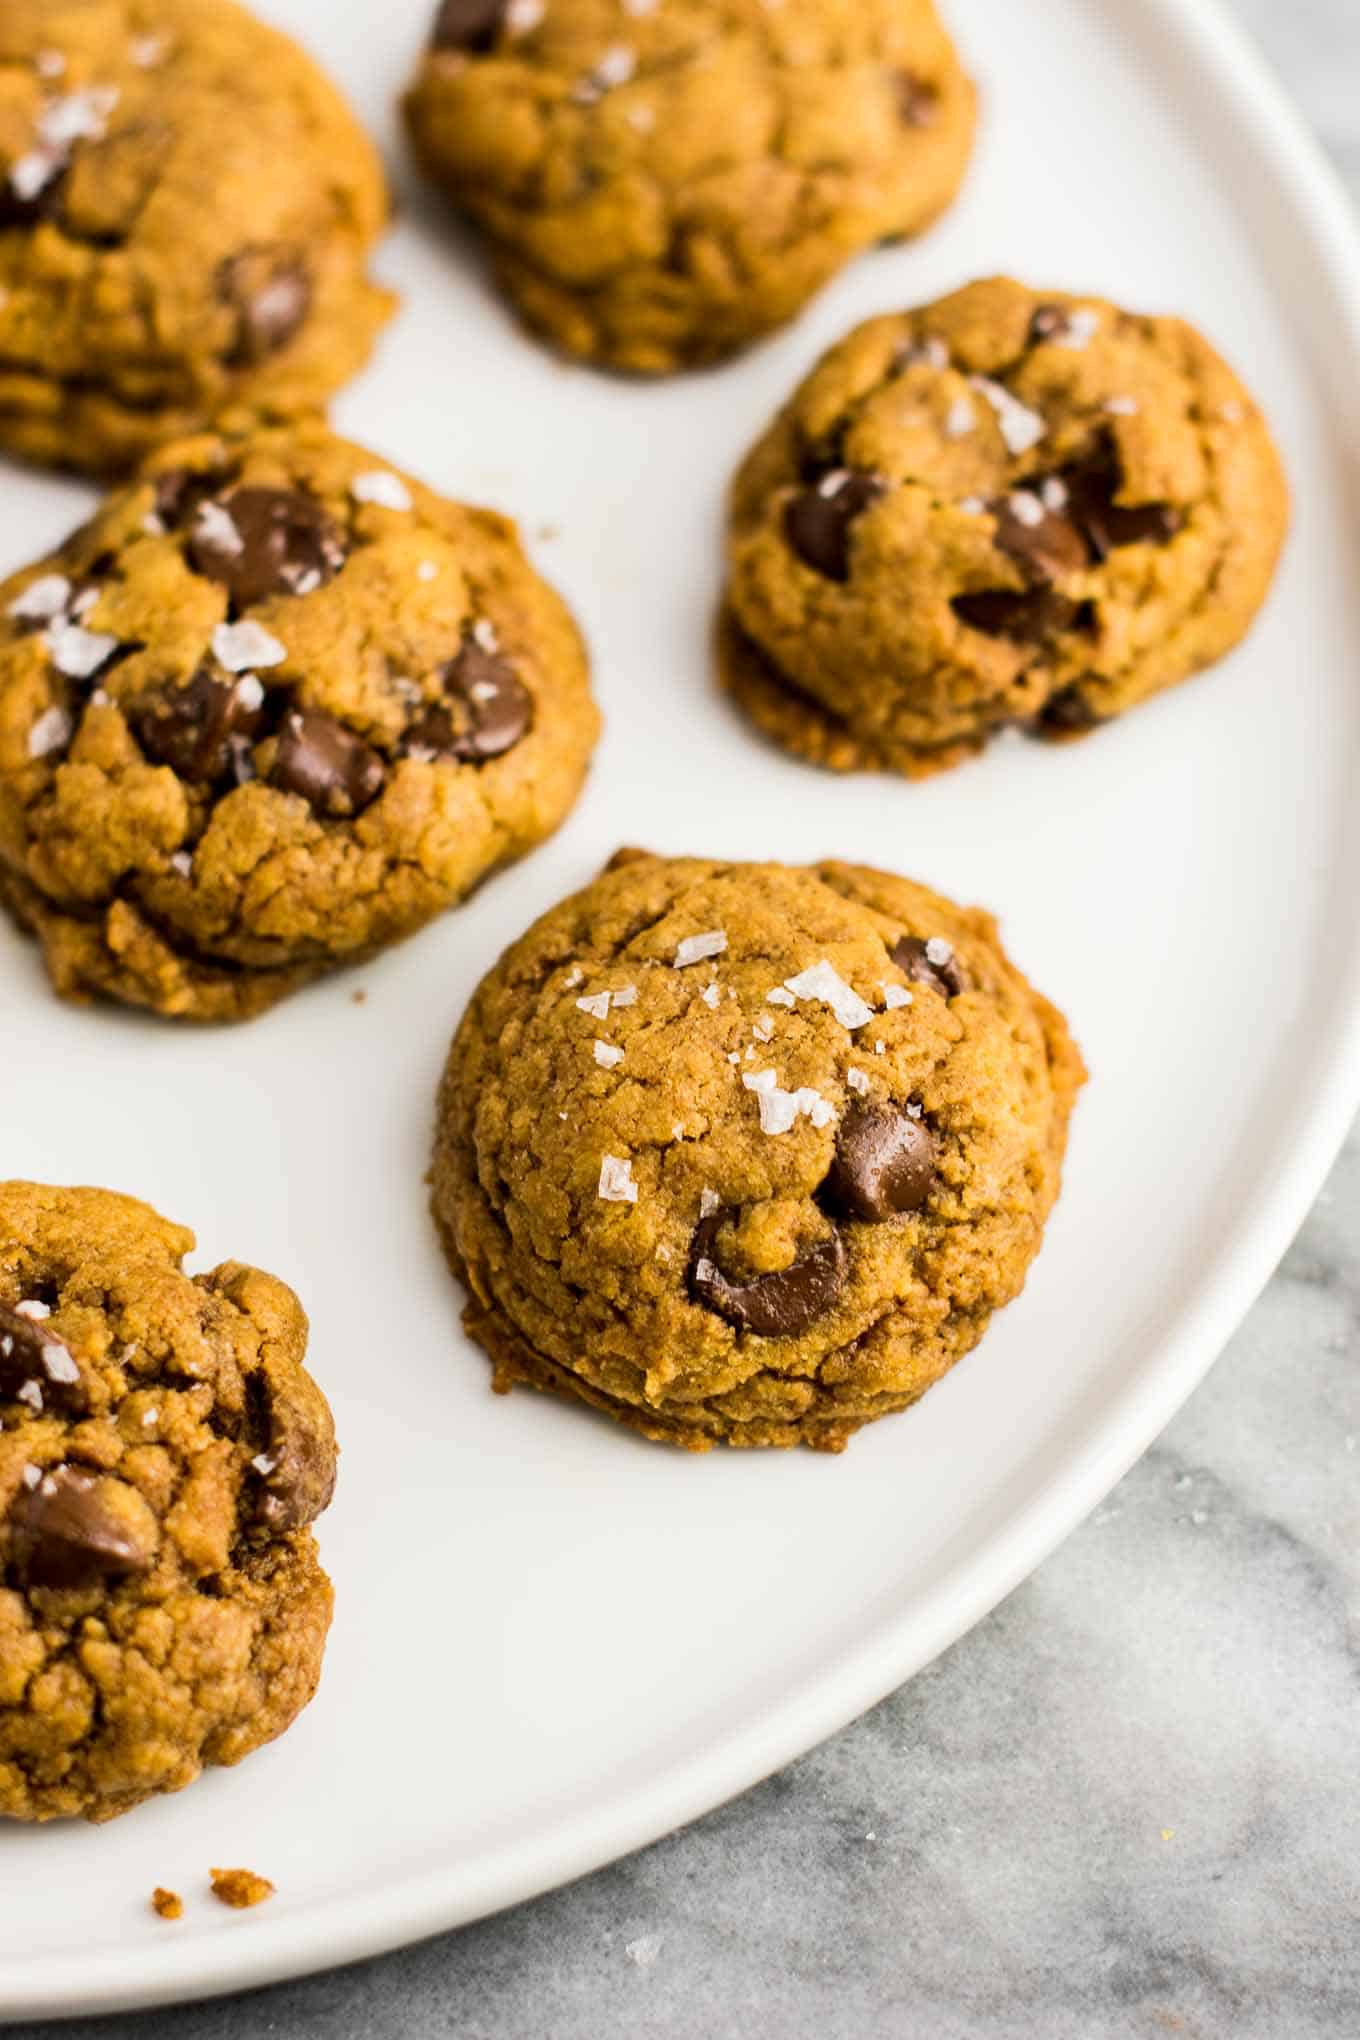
[1092,490]
[1031,618]
[1050,322]
[68,1536]
[1068,714]
[332,768]
[776,1306]
[196,729]
[271,293]
[1043,541]
[468,25]
[932,962]
[263,542]
[885,1163]
[817,522]
[917,100]
[29,1353]
[296,1470]
[486,712]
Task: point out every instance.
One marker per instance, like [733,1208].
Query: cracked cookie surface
[661,184]
[1010,508]
[187,208]
[162,1453]
[275,707]
[746,1153]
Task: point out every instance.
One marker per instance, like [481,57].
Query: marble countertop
[1124,1806]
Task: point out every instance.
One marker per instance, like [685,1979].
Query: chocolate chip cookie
[274,708]
[748,1154]
[163,1451]
[663,181]
[1013,508]
[186,212]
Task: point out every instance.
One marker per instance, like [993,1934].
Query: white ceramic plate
[553,1642]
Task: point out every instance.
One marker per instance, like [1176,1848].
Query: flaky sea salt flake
[42,599]
[895,997]
[79,653]
[960,419]
[239,646]
[51,732]
[381,486]
[1020,427]
[596,1004]
[607,1056]
[616,1181]
[78,117]
[779,997]
[823,983]
[698,948]
[858,1081]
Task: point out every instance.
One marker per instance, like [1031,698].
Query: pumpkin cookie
[186,212]
[748,1154]
[162,1453]
[663,181]
[273,709]
[1010,508]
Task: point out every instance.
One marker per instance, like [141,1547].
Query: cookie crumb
[359,998]
[240,1888]
[167,1905]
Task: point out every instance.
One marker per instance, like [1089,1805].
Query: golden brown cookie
[162,1453]
[272,709]
[663,181]
[748,1154]
[1013,507]
[187,207]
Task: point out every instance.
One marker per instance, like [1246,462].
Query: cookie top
[1010,507]
[665,180]
[186,211]
[162,1450]
[747,1152]
[274,706]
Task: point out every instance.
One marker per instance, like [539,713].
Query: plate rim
[333,1933]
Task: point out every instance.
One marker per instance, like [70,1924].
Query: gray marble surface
[1124,1806]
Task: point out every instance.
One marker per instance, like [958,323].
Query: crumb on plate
[240,1888]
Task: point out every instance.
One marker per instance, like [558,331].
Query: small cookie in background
[187,211]
[163,1452]
[748,1154]
[273,708]
[1010,508]
[660,185]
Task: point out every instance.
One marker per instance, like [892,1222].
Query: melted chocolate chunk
[1068,714]
[199,730]
[297,1468]
[1092,490]
[67,1536]
[263,542]
[334,770]
[1031,617]
[776,1306]
[471,25]
[917,100]
[1044,542]
[933,963]
[817,521]
[30,1353]
[486,710]
[885,1163]
[271,293]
